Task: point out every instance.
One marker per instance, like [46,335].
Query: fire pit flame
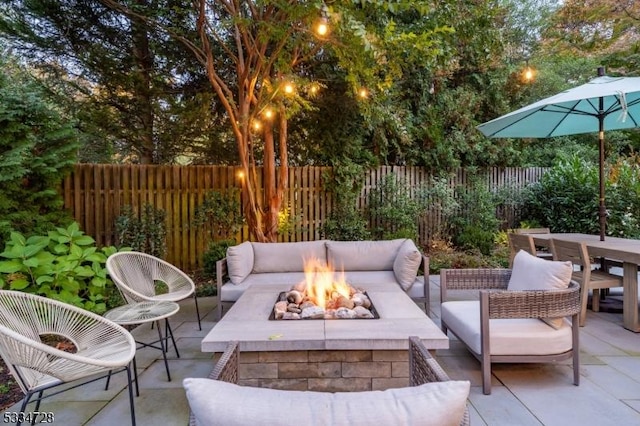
[323,284]
[324,294]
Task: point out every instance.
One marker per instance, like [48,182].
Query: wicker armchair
[422,369]
[137,274]
[498,303]
[101,345]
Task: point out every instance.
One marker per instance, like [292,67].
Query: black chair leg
[131,403]
[170,333]
[162,341]
[195,298]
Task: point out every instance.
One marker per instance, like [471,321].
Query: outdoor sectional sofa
[393,262]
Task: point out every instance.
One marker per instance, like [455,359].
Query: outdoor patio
[523,394]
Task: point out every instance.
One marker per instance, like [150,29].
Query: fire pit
[323,294]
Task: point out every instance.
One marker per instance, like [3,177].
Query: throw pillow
[406,264]
[363,255]
[220,403]
[240,261]
[532,273]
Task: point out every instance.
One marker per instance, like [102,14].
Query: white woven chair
[101,345]
[137,275]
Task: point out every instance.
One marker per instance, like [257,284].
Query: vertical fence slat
[95,195]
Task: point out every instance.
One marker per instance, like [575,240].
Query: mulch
[12,393]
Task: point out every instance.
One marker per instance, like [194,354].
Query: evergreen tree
[37,147]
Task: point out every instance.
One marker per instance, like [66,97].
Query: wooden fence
[95,194]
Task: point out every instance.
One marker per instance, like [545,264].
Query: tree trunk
[142,87]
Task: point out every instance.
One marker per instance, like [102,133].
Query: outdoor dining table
[625,250]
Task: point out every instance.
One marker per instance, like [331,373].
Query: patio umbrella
[604,103]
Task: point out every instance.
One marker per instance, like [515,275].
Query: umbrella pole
[602,212]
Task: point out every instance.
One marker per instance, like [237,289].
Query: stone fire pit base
[326,371]
[324,355]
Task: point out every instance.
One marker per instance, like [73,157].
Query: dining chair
[521,239]
[30,324]
[532,231]
[519,242]
[141,277]
[587,276]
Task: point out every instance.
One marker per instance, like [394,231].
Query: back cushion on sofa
[217,403]
[286,257]
[406,265]
[239,261]
[363,255]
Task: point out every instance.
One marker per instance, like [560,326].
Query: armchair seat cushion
[518,336]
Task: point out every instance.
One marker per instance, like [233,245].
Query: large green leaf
[44,279]
[84,240]
[19,284]
[10,266]
[32,262]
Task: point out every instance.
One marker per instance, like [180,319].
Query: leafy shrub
[345,221]
[443,256]
[474,237]
[622,198]
[220,212]
[38,147]
[566,197]
[146,233]
[393,211]
[64,265]
[476,225]
[216,251]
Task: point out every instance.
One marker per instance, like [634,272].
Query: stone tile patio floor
[523,394]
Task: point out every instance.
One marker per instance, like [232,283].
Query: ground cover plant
[64,265]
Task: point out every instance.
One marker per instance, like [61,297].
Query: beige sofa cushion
[286,257]
[216,403]
[231,293]
[530,272]
[406,264]
[363,255]
[239,261]
[517,336]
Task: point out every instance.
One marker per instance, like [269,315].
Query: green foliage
[566,197]
[37,149]
[439,199]
[393,211]
[64,265]
[146,232]
[217,250]
[220,212]
[443,256]
[345,222]
[476,226]
[622,197]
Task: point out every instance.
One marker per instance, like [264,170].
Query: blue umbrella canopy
[604,103]
[574,111]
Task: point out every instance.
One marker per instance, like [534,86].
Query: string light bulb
[363,93]
[268,113]
[288,88]
[322,27]
[257,125]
